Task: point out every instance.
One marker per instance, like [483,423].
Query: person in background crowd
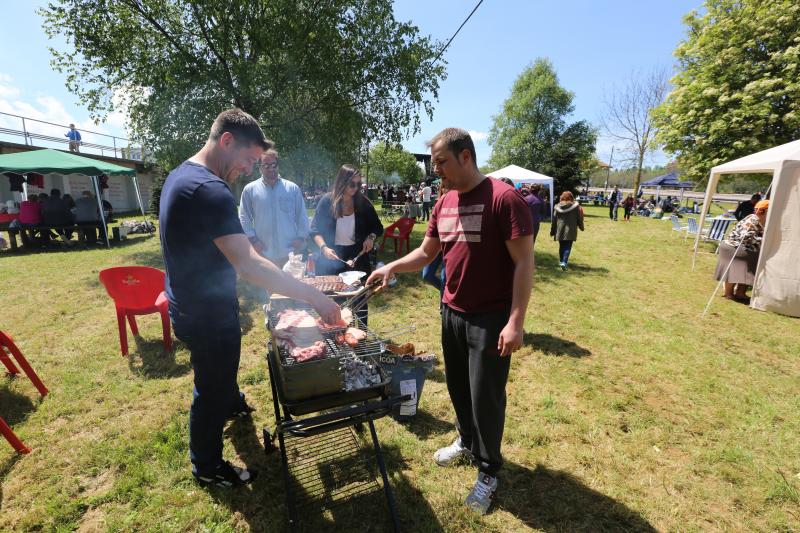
[614,199]
[273,213]
[567,220]
[429,271]
[74,137]
[507,182]
[484,230]
[108,209]
[747,208]
[70,201]
[740,249]
[86,213]
[204,248]
[56,212]
[30,216]
[536,205]
[426,201]
[345,224]
[627,205]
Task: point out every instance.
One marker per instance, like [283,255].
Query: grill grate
[329,469]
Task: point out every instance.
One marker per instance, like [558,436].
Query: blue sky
[593,45]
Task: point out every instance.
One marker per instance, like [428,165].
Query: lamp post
[608,171]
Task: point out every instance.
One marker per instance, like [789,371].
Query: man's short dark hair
[242,126]
[456,141]
[55,193]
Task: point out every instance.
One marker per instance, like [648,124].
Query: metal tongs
[357,302]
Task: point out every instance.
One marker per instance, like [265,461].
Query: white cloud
[49,109]
[478,135]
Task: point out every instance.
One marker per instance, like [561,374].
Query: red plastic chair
[400,232]
[137,290]
[8,350]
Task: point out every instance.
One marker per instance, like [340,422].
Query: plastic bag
[295,266]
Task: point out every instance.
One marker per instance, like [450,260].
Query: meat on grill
[309,353]
[292,320]
[351,337]
[347,318]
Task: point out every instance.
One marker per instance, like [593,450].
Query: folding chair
[717,231]
[691,227]
[676,225]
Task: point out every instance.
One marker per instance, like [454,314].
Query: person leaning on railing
[74,137]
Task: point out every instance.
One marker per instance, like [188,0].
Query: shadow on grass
[553,500]
[425,425]
[16,406]
[550,345]
[264,501]
[547,268]
[152,361]
[74,246]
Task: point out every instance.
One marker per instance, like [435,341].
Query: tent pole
[139,196]
[96,183]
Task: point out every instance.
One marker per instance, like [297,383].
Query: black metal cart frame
[342,413]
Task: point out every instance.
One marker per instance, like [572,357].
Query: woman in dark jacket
[567,220]
[345,224]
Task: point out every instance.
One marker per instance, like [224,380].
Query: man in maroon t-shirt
[484,230]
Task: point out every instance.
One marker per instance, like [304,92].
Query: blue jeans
[215,347]
[564,248]
[429,273]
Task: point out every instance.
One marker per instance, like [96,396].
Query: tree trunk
[638,178]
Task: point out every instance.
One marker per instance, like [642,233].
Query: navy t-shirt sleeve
[217,209]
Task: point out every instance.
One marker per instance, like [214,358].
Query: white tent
[777,282]
[521,175]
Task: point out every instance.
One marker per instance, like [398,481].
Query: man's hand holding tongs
[382,275]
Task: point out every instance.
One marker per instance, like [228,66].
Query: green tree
[532,130]
[387,159]
[319,76]
[737,89]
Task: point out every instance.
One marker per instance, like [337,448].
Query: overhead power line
[458,30]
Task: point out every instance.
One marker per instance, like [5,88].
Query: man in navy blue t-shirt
[204,248]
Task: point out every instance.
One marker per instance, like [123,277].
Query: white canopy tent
[520,175]
[777,281]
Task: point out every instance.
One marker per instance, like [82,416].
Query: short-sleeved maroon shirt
[473,228]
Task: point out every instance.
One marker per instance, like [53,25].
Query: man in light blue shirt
[273,213]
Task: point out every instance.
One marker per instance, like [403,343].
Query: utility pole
[608,170]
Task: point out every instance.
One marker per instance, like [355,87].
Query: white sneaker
[481,495]
[450,455]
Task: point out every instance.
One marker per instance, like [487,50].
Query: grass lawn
[626,411]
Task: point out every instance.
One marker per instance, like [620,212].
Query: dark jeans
[564,249]
[476,380]
[215,347]
[426,210]
[612,211]
[628,213]
[429,273]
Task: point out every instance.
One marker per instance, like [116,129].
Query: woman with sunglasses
[345,224]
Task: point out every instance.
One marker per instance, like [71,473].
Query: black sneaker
[226,475]
[241,411]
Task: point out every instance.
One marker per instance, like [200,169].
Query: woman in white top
[345,224]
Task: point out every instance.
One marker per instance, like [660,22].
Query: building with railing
[18,133]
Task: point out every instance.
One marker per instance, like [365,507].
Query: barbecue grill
[311,387]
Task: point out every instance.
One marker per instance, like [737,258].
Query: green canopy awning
[49,161]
